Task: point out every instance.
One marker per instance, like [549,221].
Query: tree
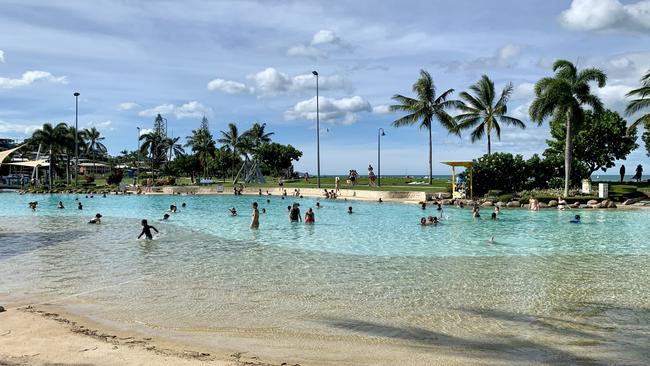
[562,98]
[153,147]
[53,140]
[424,108]
[173,147]
[480,111]
[498,171]
[277,158]
[640,103]
[202,145]
[258,135]
[231,141]
[94,144]
[604,140]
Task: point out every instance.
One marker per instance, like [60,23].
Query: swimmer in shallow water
[96,220]
[165,217]
[576,220]
[59,205]
[146,230]
[233,211]
[349,209]
[80,206]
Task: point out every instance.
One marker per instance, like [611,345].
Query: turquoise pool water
[546,291]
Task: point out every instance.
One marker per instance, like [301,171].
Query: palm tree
[562,97]
[152,146]
[53,139]
[203,146]
[643,101]
[173,147]
[231,140]
[258,135]
[480,111]
[424,108]
[94,144]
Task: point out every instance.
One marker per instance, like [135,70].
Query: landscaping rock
[513,204]
[525,205]
[446,202]
[543,205]
[470,203]
[592,202]
[487,204]
[611,204]
[632,201]
[552,203]
[575,205]
[2,309]
[500,204]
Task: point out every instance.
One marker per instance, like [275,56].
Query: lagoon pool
[367,284]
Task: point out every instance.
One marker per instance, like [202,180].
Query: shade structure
[6,153]
[32,163]
[456,190]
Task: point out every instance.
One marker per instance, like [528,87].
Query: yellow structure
[456,190]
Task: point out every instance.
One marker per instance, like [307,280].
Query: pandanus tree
[481,112]
[424,109]
[94,144]
[562,98]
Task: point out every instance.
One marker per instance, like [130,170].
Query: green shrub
[115,177]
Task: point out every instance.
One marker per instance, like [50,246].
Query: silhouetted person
[639,173]
[622,172]
[146,230]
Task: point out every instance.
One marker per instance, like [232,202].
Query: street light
[317,134]
[76,137]
[380,133]
[137,163]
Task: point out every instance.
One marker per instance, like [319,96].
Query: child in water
[96,220]
[576,220]
[146,230]
[309,217]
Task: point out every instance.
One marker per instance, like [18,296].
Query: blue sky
[247,61]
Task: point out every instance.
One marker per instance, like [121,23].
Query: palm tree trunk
[50,167]
[489,144]
[567,157]
[234,153]
[430,157]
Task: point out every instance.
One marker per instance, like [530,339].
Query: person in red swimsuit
[309,217]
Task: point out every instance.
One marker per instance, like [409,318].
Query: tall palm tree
[258,135]
[94,144]
[231,140]
[424,108]
[203,146]
[173,147]
[153,147]
[481,111]
[53,139]
[642,102]
[562,97]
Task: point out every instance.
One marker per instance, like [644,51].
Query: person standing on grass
[639,173]
[337,183]
[622,172]
[255,217]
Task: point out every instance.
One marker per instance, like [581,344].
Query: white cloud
[30,77]
[325,37]
[524,91]
[273,82]
[144,131]
[191,109]
[17,128]
[521,112]
[227,86]
[306,51]
[2,56]
[338,111]
[603,15]
[381,109]
[126,106]
[504,57]
[613,96]
[107,125]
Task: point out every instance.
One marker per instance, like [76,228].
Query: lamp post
[76,138]
[137,163]
[380,133]
[317,134]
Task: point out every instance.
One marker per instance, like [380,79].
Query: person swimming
[233,211]
[80,206]
[173,209]
[380,200]
[96,220]
[183,205]
[491,240]
[423,205]
[576,220]
[263,210]
[60,205]
[309,217]
[475,211]
[493,216]
[349,209]
[318,205]
[439,207]
[146,230]
[165,217]
[288,208]
[423,221]
[268,201]
[294,213]
[255,217]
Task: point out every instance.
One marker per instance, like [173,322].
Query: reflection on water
[589,307]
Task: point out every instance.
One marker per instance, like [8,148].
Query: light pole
[76,138]
[317,134]
[380,133]
[137,163]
